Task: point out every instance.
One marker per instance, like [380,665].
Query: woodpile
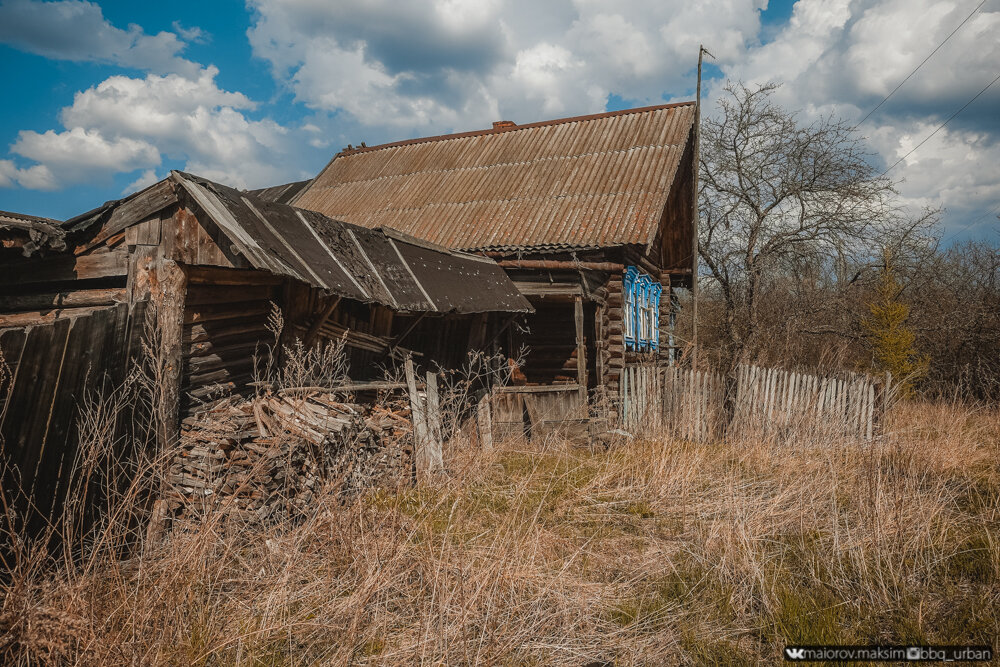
[267,458]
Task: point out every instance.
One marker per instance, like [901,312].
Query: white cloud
[839,58]
[192,34]
[37,177]
[382,70]
[443,65]
[8,173]
[75,155]
[77,30]
[124,124]
[145,179]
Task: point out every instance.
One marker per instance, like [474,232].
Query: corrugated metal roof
[372,265]
[599,180]
[280,194]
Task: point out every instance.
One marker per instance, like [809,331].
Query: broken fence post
[419,421]
[433,456]
[484,421]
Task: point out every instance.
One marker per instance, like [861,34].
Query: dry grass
[653,552]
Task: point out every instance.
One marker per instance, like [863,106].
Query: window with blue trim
[642,310]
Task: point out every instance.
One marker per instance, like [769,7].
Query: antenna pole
[694,217]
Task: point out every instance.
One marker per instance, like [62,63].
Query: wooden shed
[591,217]
[214,262]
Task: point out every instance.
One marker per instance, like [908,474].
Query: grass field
[651,552]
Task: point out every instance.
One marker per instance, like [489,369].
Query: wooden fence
[49,367]
[691,404]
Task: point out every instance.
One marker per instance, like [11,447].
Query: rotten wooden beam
[581,350]
[65,299]
[560,265]
[320,321]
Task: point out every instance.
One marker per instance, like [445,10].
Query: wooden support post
[581,352]
[320,321]
[434,456]
[484,421]
[417,416]
[169,289]
[426,417]
[413,325]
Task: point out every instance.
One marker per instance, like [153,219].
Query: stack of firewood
[268,457]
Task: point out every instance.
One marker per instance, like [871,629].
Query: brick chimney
[503,124]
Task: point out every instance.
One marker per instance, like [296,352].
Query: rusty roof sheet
[589,181]
[372,265]
[280,194]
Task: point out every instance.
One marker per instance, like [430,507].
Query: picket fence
[692,404]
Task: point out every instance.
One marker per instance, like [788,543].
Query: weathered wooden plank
[320,320]
[434,453]
[171,313]
[581,349]
[38,318]
[223,372]
[229,311]
[220,330]
[418,416]
[484,422]
[538,389]
[66,267]
[79,374]
[63,299]
[152,200]
[211,275]
[202,294]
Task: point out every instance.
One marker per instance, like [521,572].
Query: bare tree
[776,193]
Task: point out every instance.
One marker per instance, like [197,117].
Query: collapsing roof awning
[371,265]
[29,233]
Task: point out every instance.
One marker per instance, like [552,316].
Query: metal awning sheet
[371,265]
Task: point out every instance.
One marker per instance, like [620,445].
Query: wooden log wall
[225,325]
[614,333]
[366,326]
[40,290]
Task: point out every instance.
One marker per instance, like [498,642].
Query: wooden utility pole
[694,219]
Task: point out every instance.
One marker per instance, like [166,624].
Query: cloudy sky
[104,98]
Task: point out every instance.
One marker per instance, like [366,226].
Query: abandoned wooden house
[591,217]
[214,262]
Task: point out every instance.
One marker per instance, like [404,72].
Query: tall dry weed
[654,551]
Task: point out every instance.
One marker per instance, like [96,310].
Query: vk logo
[795,653]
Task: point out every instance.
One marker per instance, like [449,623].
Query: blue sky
[108,97]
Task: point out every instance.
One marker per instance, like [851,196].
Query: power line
[970,225]
[886,98]
[941,126]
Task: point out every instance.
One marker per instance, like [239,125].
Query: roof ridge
[28,217]
[515,163]
[512,128]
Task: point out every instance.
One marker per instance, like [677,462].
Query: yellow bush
[892,342]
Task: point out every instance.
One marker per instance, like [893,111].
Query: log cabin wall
[377,338]
[364,327]
[39,290]
[225,325]
[614,333]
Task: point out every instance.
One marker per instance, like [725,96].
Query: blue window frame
[629,284]
[642,310]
